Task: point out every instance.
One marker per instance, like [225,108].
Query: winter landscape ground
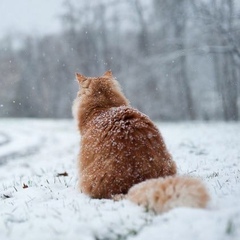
[39,198]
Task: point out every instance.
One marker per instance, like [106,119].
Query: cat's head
[96,85]
[100,92]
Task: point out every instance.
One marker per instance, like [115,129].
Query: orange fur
[120,146]
[163,194]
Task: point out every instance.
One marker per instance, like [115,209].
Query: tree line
[175,59]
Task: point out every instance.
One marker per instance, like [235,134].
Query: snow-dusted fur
[121,147]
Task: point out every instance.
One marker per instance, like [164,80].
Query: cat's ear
[108,74]
[80,77]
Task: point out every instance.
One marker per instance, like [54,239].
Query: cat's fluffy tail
[163,194]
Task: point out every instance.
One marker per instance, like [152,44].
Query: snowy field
[39,198]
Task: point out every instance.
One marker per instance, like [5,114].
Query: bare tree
[173,58]
[220,17]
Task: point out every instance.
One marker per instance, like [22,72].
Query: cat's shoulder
[121,114]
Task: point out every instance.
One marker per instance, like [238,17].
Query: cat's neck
[88,113]
[93,106]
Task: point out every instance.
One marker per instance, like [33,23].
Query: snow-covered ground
[39,198]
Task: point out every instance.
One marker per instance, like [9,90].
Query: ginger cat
[121,148]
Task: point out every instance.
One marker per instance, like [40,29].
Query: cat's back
[121,119]
[121,148]
[124,125]
[125,140]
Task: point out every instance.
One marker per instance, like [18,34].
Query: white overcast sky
[29,16]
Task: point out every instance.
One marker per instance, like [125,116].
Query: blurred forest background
[175,59]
